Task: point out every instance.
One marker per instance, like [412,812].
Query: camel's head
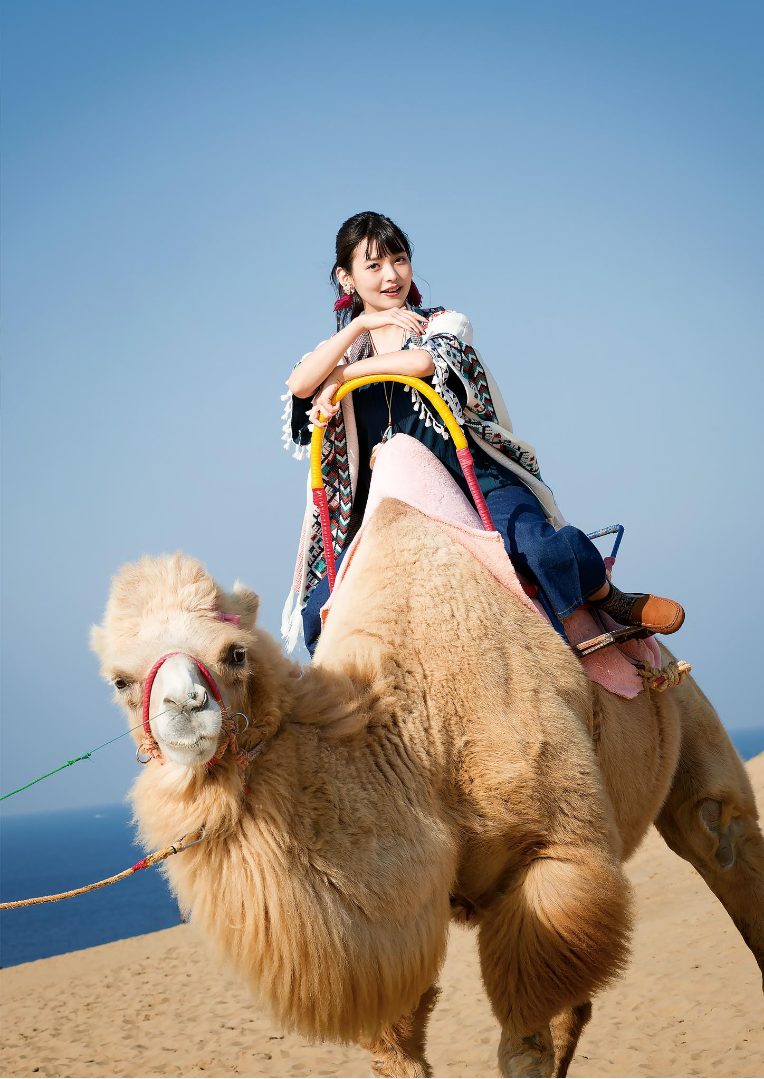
[167,605]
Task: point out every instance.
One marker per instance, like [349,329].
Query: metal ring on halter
[138,756]
[246,722]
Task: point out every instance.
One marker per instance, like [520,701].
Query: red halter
[229,732]
[153,673]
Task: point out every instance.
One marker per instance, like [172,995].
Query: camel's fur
[444,754]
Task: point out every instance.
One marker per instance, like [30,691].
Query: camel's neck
[328,831]
[304,722]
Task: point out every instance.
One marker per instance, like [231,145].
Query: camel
[443,756]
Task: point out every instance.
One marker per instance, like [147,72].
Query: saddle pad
[406,470]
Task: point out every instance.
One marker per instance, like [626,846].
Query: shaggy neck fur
[293,848]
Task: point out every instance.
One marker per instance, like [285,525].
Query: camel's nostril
[198,697]
[194,700]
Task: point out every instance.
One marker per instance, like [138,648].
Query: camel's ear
[246,602]
[97,640]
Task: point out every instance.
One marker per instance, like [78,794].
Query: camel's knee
[556,935]
[714,834]
[723,829]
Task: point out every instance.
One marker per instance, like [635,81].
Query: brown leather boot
[655,613]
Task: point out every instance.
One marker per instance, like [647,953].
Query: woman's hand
[323,403]
[396,316]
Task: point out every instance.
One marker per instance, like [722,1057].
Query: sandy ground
[690,1004]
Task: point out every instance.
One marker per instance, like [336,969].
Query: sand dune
[690,1004]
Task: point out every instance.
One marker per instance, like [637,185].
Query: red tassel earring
[343,302]
[414,296]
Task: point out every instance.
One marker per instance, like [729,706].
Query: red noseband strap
[153,673]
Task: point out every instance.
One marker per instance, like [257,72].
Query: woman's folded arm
[416,362]
[314,367]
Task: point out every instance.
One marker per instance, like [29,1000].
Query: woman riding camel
[382,329]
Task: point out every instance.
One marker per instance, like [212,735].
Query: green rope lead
[83,757]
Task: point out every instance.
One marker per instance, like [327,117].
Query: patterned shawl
[448,339]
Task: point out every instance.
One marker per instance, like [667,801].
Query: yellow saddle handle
[320,500]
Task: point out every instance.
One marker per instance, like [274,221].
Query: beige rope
[662,678]
[186,841]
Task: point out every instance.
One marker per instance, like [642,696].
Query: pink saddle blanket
[406,470]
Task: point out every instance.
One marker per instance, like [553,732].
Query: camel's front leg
[534,1055]
[710,819]
[566,1030]
[555,935]
[400,1049]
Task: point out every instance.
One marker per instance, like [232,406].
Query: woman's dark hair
[382,235]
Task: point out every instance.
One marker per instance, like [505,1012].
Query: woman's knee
[519,518]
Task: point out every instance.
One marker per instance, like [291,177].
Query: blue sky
[583,180]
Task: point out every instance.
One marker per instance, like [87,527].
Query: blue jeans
[564,562]
[311,619]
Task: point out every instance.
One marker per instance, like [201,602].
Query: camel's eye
[237,656]
[120,683]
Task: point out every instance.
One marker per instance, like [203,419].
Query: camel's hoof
[399,1067]
[531,1057]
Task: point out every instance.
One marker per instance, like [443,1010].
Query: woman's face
[382,282]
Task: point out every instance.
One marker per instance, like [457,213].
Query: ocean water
[748,742]
[51,852]
[44,853]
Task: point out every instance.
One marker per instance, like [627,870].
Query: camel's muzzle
[186,732]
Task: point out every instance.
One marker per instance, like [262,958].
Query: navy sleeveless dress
[564,562]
